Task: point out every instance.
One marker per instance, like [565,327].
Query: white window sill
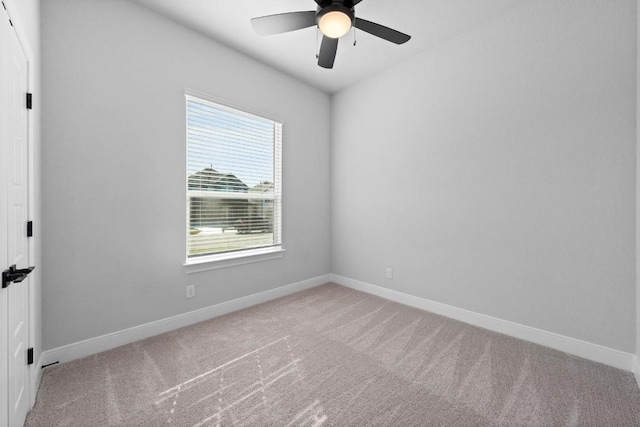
[213,262]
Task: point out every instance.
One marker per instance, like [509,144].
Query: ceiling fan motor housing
[345,7]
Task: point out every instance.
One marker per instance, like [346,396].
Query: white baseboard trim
[587,350]
[95,345]
[584,349]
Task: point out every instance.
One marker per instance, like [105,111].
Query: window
[233,182]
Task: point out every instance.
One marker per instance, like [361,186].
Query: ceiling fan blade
[381,31]
[355,2]
[283,22]
[328,50]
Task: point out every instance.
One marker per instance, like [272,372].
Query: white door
[4,154]
[14,213]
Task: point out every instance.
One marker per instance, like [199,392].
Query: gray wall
[496,172]
[114,76]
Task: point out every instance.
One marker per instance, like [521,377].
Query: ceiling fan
[334,18]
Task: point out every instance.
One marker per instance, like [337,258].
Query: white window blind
[233,180]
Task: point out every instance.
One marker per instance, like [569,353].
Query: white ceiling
[429,22]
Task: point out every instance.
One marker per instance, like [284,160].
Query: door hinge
[29,228]
[29,101]
[30,356]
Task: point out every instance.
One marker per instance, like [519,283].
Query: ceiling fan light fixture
[335,22]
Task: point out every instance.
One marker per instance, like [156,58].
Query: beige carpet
[336,357]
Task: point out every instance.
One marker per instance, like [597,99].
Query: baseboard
[586,350]
[95,345]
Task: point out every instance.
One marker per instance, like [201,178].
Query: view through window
[233,180]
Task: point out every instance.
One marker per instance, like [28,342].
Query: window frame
[194,264]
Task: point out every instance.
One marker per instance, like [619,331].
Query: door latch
[14,275]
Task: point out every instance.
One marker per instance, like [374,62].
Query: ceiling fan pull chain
[354,29]
[317,48]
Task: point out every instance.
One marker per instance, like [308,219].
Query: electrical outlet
[389,273]
[191,291]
